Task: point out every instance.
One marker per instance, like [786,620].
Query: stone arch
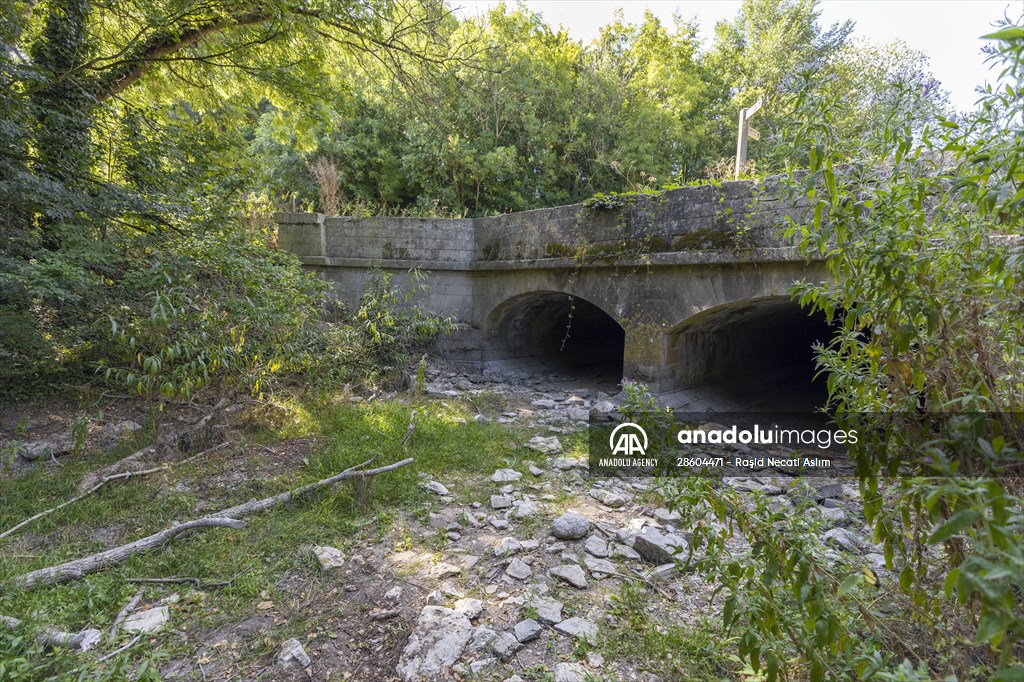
[750,354]
[552,332]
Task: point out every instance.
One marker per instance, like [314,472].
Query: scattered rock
[292,652]
[444,570]
[547,446]
[148,620]
[571,574]
[393,595]
[525,509]
[665,516]
[549,611]
[578,627]
[519,570]
[436,488]
[328,557]
[657,547]
[41,449]
[435,644]
[840,538]
[570,526]
[505,645]
[599,568]
[469,607]
[625,552]
[605,406]
[508,547]
[610,499]
[482,665]
[501,501]
[596,546]
[664,572]
[505,476]
[120,429]
[570,672]
[527,630]
[578,414]
[832,514]
[482,638]
[567,463]
[535,470]
[545,403]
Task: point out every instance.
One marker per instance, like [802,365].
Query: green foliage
[384,331]
[911,220]
[663,645]
[272,547]
[216,308]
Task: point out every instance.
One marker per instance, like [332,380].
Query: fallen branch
[198,583]
[122,465]
[132,642]
[90,491]
[86,639]
[410,429]
[73,570]
[123,613]
[385,615]
[255,506]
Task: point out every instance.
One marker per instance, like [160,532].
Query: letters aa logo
[628,439]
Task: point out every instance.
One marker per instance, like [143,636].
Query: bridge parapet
[315,238]
[732,217]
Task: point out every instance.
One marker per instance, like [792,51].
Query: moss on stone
[557,250]
[492,250]
[702,239]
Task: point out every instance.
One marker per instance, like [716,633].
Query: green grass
[270,547]
[672,650]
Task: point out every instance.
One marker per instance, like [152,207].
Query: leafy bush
[386,330]
[213,308]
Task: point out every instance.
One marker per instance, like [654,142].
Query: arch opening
[558,336]
[751,355]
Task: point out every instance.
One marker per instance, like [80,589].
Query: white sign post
[746,132]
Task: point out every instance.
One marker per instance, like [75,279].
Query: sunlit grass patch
[665,646]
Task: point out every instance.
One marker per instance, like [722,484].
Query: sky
[947,31]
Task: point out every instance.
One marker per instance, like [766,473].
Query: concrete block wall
[416,239]
[314,236]
[733,215]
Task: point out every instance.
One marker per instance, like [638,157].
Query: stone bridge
[687,291]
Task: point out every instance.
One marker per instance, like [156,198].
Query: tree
[110,139]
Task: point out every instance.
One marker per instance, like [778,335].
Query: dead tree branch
[73,570]
[123,613]
[198,583]
[86,639]
[90,491]
[90,480]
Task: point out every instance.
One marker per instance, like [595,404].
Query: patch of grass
[662,646]
[269,550]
